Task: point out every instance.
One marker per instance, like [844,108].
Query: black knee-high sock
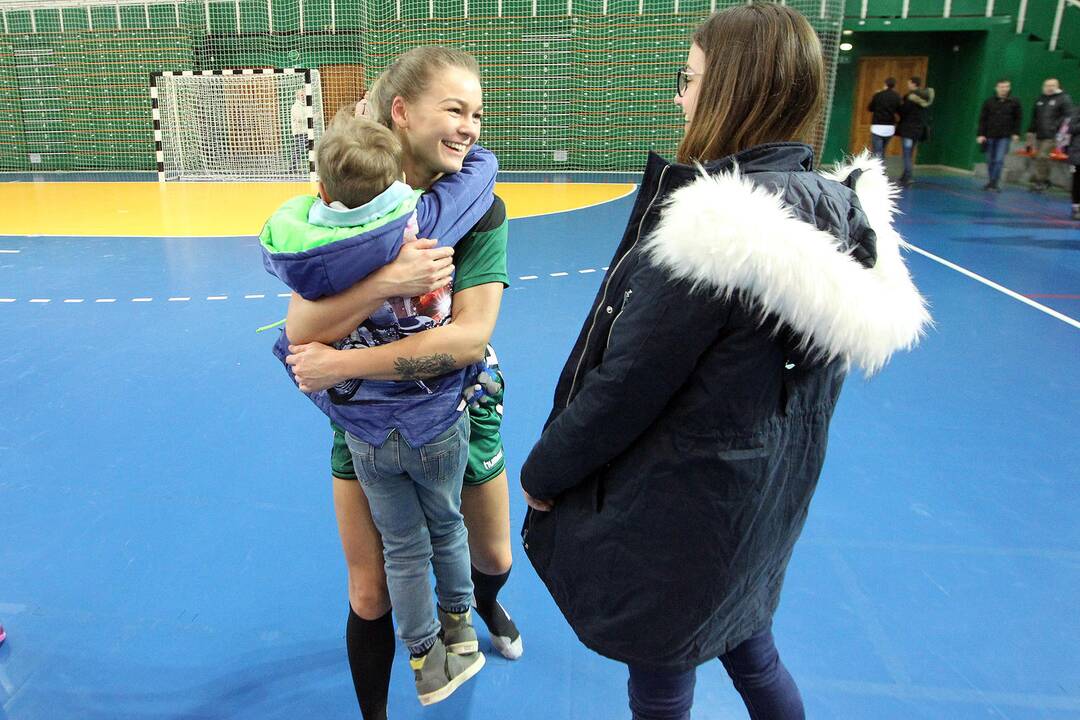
[371,648]
[486,591]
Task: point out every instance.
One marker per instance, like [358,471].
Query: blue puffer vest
[316,261]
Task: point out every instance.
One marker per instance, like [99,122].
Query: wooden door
[341,85]
[871,79]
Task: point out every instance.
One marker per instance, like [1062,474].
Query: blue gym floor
[168,546]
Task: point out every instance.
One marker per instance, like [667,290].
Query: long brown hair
[763,81]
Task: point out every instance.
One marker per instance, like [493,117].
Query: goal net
[229,124]
[569,85]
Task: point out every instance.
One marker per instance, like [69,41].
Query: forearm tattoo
[418,368]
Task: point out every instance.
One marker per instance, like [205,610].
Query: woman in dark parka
[676,470]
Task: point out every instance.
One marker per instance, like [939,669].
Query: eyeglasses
[682,80]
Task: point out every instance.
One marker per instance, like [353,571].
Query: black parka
[1049,113]
[913,123]
[691,418]
[884,105]
[1074,138]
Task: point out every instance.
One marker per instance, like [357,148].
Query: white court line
[559,274]
[1000,288]
[587,270]
[182,298]
[528,277]
[10,252]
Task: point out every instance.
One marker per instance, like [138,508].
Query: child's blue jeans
[415,500]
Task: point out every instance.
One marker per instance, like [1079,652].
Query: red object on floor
[1055,154]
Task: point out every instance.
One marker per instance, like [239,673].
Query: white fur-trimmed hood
[724,233]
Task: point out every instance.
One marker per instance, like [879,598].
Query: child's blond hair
[357,159]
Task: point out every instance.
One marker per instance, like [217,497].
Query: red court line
[1046,296]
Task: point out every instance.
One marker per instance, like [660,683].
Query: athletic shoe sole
[447,690]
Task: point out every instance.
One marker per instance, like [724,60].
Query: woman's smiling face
[444,122]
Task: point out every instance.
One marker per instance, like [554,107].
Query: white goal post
[236,124]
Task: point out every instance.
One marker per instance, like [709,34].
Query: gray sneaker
[439,673]
[457,632]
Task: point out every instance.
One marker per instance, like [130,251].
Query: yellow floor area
[216,209]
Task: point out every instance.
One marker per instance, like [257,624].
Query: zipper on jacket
[625,299]
[607,283]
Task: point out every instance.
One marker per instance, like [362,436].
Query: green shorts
[486,457]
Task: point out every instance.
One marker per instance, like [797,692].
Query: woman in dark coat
[675,472]
[913,127]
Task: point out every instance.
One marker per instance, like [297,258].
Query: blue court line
[1072,556]
[870,622]
[1034,701]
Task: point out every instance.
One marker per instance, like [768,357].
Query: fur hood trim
[725,234]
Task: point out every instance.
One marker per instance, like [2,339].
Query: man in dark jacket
[999,122]
[884,105]
[1051,109]
[913,127]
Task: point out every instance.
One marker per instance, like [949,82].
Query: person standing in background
[913,127]
[1074,160]
[298,121]
[884,105]
[999,123]
[1052,108]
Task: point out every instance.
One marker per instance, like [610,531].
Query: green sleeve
[480,256]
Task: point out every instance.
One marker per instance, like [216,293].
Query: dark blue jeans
[996,150]
[765,685]
[879,145]
[908,146]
